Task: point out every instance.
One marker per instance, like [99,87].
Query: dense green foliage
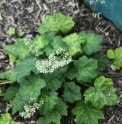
[63,69]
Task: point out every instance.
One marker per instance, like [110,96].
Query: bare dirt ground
[29,15]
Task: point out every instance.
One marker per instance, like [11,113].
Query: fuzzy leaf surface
[50,100]
[6,75]
[86,68]
[74,42]
[19,49]
[93,42]
[55,23]
[54,80]
[71,92]
[38,44]
[64,23]
[102,94]
[102,61]
[86,114]
[54,85]
[116,55]
[56,42]
[18,103]
[11,92]
[56,113]
[31,87]
[42,120]
[71,73]
[24,68]
[48,25]
[6,119]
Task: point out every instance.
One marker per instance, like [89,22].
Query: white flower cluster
[31,109]
[32,48]
[54,61]
[8,107]
[95,1]
[27,41]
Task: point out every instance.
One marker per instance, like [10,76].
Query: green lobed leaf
[20,32]
[56,42]
[102,94]
[56,113]
[54,84]
[19,49]
[86,69]
[116,55]
[6,119]
[12,58]
[42,120]
[11,92]
[111,54]
[64,23]
[11,31]
[50,100]
[31,87]
[24,68]
[71,92]
[57,22]
[7,75]
[38,43]
[54,80]
[93,42]
[71,73]
[18,103]
[86,114]
[102,82]
[48,25]
[102,61]
[74,43]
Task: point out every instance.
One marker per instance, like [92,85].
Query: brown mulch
[28,17]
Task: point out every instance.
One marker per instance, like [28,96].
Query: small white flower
[8,107]
[29,110]
[55,60]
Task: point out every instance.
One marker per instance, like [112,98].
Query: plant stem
[85,84]
[7,82]
[51,9]
[15,117]
[92,16]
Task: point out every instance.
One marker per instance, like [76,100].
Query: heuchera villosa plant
[61,69]
[116,55]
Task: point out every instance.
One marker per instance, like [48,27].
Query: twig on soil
[38,4]
[3,34]
[110,119]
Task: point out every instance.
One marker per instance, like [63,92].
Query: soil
[28,16]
